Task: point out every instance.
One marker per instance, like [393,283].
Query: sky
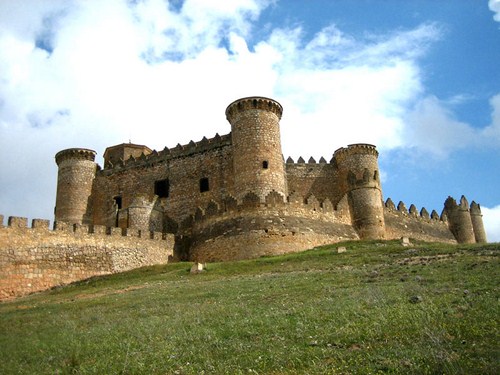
[419,79]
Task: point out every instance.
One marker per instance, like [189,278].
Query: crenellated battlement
[76,154]
[366,178]
[272,201]
[401,209]
[354,149]
[311,160]
[475,208]
[37,258]
[253,102]
[20,224]
[179,151]
[401,221]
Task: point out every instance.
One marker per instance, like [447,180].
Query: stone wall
[252,229]
[36,258]
[318,179]
[403,222]
[183,167]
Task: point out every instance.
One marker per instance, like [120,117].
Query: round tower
[359,178]
[257,157]
[459,220]
[477,222]
[74,185]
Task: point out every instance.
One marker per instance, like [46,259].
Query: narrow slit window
[204,186]
[162,188]
[118,201]
[265,164]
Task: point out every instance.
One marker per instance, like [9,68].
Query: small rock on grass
[415,299]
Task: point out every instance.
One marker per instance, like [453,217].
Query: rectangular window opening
[265,164]
[204,185]
[162,188]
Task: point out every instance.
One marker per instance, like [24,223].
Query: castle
[225,198]
[234,196]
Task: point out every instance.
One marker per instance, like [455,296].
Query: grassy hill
[377,308]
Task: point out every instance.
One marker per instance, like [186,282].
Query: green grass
[379,308]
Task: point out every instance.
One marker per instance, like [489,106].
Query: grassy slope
[378,308]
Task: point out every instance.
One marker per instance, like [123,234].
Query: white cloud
[494,6]
[491,219]
[432,127]
[95,74]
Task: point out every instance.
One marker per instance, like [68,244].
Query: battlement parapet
[75,153]
[294,204]
[37,258]
[17,222]
[401,209]
[301,161]
[475,208]
[357,148]
[451,204]
[253,102]
[21,224]
[366,178]
[179,151]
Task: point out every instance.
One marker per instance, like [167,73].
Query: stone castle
[235,197]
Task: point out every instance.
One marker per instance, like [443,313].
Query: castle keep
[225,198]
[234,196]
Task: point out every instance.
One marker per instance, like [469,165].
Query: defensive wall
[252,228]
[181,171]
[37,258]
[233,177]
[224,198]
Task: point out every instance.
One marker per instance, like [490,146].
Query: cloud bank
[491,218]
[494,6]
[94,74]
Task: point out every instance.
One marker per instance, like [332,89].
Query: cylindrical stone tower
[359,178]
[459,220]
[477,223]
[257,157]
[74,185]
[143,215]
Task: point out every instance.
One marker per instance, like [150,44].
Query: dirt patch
[426,259]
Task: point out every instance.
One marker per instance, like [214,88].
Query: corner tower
[74,184]
[459,220]
[477,222]
[359,178]
[257,157]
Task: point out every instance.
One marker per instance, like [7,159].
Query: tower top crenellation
[253,102]
[75,153]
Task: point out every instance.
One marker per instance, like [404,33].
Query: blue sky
[419,79]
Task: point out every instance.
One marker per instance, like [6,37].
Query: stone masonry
[228,197]
[36,258]
[233,187]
